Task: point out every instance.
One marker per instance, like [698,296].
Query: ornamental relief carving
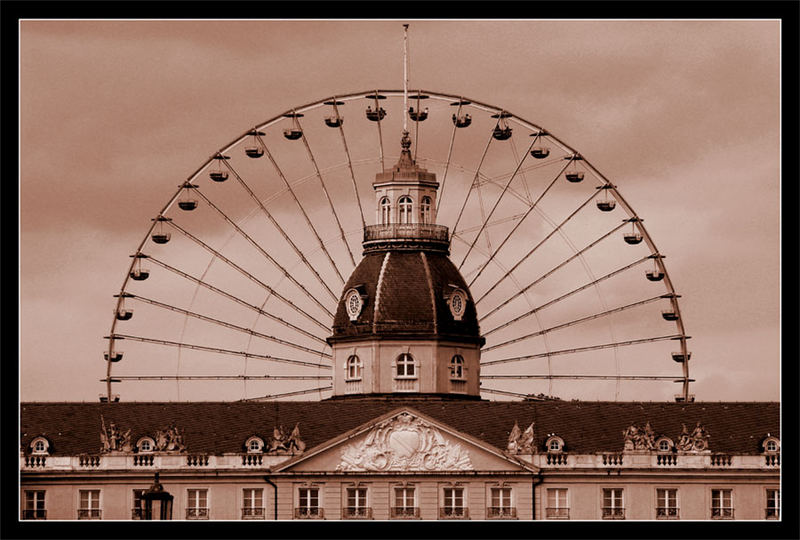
[404,443]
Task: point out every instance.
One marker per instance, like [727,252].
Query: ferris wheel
[232,291]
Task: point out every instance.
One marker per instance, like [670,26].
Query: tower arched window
[425,210]
[406,367]
[457,367]
[354,367]
[404,205]
[386,211]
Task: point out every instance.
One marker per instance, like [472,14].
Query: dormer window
[40,446]
[404,205]
[771,445]
[145,445]
[457,367]
[386,211]
[554,444]
[354,368]
[425,210]
[406,367]
[254,445]
[664,444]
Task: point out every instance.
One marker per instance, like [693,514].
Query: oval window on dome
[457,303]
[353,302]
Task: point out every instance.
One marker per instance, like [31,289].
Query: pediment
[404,441]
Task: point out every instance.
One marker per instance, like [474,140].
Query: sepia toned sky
[683,116]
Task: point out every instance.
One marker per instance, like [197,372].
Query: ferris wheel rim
[658,258]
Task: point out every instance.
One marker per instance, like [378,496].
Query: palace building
[406,435]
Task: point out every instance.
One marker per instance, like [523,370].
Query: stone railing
[410,231]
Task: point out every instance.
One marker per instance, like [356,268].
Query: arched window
[39,447]
[404,204]
[386,211]
[425,210]
[457,367]
[772,446]
[555,445]
[353,368]
[405,366]
[663,445]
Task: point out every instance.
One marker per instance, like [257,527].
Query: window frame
[359,495]
[614,511]
[38,508]
[248,509]
[137,510]
[404,511]
[357,364]
[199,515]
[401,359]
[451,511]
[721,509]
[772,512]
[425,207]
[557,514]
[248,444]
[385,206]
[93,512]
[302,511]
[501,510]
[677,507]
[405,209]
[457,364]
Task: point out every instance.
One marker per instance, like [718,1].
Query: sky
[683,116]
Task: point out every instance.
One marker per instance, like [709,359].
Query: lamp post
[157,502]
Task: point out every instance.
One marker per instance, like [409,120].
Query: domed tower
[406,322]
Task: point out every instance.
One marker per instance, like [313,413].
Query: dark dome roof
[410,289]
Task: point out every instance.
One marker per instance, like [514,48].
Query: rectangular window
[308,504]
[773,504]
[137,508]
[34,505]
[404,503]
[89,504]
[197,505]
[253,503]
[613,505]
[667,503]
[721,504]
[557,505]
[357,504]
[453,507]
[501,503]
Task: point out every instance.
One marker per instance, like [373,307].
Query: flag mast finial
[405,77]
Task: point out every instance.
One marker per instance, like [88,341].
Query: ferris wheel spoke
[573,323]
[496,204]
[325,191]
[205,348]
[550,272]
[120,378]
[513,394]
[264,253]
[293,393]
[517,225]
[239,301]
[587,377]
[280,229]
[582,349]
[303,211]
[557,228]
[566,295]
[231,326]
[247,274]
[449,157]
[349,162]
[473,184]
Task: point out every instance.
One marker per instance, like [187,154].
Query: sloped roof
[222,427]
[410,295]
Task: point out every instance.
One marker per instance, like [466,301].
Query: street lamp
[157,502]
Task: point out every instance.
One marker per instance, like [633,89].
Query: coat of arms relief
[404,443]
